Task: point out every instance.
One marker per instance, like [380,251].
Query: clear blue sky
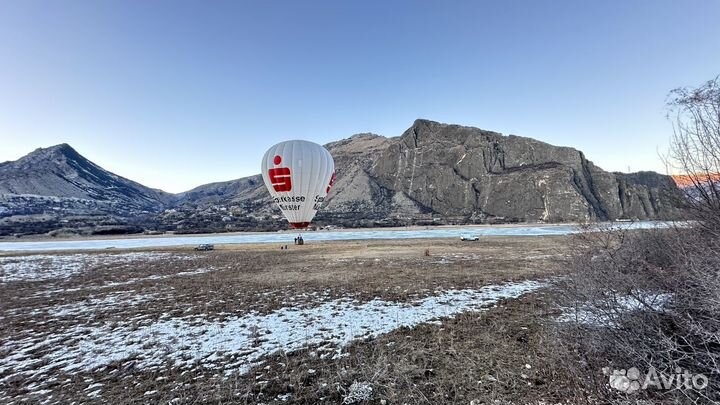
[175,94]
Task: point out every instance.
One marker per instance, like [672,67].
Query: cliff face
[475,175]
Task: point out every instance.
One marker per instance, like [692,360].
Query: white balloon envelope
[298,175]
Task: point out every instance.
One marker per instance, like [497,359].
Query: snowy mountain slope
[60,171]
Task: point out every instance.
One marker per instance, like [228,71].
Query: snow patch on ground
[113,301]
[51,267]
[607,313]
[236,343]
[155,277]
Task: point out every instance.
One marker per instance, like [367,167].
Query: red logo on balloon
[332,180]
[280,176]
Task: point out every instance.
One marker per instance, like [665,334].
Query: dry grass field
[392,322]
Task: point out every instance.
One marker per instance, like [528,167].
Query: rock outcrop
[477,175]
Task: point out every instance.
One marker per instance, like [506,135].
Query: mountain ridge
[61,171]
[370,184]
[432,173]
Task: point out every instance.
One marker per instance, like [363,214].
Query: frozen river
[287,237]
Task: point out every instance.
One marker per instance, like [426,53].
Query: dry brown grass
[479,357]
[475,356]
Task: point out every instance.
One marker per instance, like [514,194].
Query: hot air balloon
[298,175]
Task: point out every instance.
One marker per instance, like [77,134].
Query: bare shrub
[647,299]
[695,149]
[650,299]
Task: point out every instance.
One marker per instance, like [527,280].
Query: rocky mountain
[60,171]
[244,189]
[462,171]
[432,173]
[449,173]
[57,187]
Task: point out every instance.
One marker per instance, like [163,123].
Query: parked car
[472,238]
[205,247]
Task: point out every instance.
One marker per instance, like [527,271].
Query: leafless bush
[648,299]
[695,149]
